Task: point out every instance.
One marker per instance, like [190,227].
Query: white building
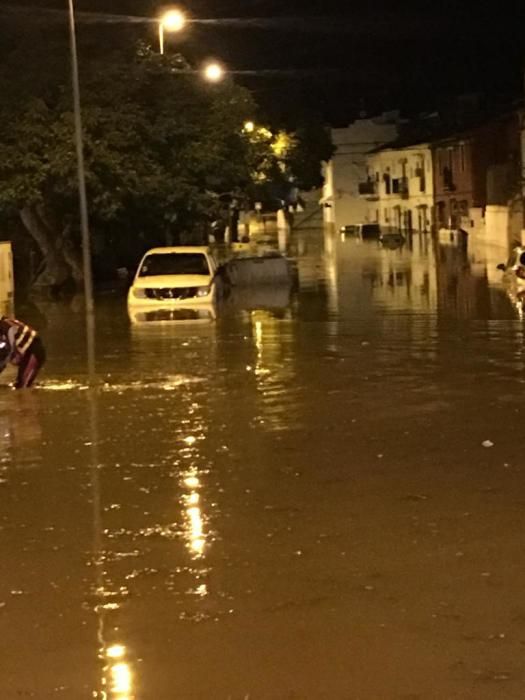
[399,187]
[342,203]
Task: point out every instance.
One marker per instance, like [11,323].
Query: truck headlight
[203,291]
[139,293]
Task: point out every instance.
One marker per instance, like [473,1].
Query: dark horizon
[336,60]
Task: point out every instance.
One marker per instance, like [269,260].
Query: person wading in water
[21,346]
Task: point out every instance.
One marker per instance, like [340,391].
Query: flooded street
[316,497]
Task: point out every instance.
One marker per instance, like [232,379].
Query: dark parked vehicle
[363,231]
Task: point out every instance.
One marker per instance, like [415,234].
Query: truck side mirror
[501,267]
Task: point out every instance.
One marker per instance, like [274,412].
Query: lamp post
[84,218]
[172,21]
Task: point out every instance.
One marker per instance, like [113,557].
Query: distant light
[214,72]
[173,21]
[249,127]
[190,440]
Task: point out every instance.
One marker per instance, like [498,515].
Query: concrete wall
[497,225]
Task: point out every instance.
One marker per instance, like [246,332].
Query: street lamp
[249,127]
[82,194]
[213,72]
[171,21]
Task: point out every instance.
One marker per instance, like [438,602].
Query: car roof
[179,249]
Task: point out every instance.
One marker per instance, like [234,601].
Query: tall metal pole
[161,37]
[90,312]
[84,218]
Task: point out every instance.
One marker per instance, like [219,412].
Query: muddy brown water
[292,502]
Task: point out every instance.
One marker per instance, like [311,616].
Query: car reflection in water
[159,315]
[392,240]
[260,297]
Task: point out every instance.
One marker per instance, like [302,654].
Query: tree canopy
[161,146]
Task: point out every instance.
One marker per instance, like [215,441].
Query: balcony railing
[368,188]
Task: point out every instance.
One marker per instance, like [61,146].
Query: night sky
[338,58]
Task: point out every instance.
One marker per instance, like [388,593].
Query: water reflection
[20,426]
[200,313]
[215,443]
[274,373]
[331,269]
[469,284]
[424,276]
[117,679]
[404,278]
[194,533]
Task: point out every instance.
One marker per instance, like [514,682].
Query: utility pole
[84,218]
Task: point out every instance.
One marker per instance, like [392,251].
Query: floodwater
[315,497]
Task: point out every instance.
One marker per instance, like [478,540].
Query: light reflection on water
[250,480]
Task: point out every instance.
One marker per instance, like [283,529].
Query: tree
[162,149]
[159,145]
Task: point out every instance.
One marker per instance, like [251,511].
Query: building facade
[476,172]
[341,200]
[399,187]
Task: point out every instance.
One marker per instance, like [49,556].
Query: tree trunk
[72,256]
[56,271]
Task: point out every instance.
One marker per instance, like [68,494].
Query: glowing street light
[171,21]
[214,72]
[249,127]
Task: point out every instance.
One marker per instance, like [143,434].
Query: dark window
[174,264]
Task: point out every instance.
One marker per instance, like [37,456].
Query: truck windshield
[174,264]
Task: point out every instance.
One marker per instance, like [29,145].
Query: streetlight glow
[214,72]
[249,127]
[171,21]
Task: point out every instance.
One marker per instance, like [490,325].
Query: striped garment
[19,337]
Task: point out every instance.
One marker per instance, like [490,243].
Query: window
[174,264]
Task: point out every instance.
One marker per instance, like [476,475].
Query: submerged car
[175,277]
[363,231]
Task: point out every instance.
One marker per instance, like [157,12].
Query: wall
[342,204]
[413,167]
[477,168]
